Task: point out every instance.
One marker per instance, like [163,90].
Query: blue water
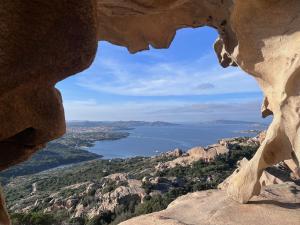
[149,140]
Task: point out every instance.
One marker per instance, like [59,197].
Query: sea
[153,140]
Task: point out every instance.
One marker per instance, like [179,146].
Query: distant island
[250,131]
[118,124]
[237,122]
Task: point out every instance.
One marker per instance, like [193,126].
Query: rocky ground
[277,204]
[111,191]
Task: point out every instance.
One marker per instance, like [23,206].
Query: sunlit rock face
[137,24]
[212,207]
[260,36]
[43,42]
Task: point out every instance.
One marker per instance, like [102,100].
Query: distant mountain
[144,123]
[236,122]
[118,124]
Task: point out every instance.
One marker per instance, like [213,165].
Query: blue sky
[184,83]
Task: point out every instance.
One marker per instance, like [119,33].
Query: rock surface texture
[43,42]
[277,204]
[195,154]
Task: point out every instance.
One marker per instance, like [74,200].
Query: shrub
[104,219]
[35,218]
[77,221]
[156,203]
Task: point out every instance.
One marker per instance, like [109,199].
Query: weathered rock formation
[259,36]
[266,178]
[194,154]
[73,198]
[292,163]
[43,42]
[277,204]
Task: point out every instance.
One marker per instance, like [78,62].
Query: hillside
[111,191]
[69,149]
[52,156]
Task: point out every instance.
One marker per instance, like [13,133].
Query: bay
[152,140]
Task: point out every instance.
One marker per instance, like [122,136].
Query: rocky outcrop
[259,36]
[194,154]
[266,178]
[42,43]
[294,167]
[292,164]
[86,199]
[267,45]
[138,188]
[277,204]
[173,153]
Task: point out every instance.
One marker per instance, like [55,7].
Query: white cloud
[163,78]
[159,76]
[167,111]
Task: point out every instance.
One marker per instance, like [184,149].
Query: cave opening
[183,84]
[123,86]
[122,96]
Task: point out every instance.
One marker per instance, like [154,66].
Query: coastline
[150,140]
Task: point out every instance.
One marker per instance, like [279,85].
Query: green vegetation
[69,148]
[92,171]
[87,138]
[53,155]
[65,150]
[35,218]
[200,176]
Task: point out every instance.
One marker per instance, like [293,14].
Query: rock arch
[43,42]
